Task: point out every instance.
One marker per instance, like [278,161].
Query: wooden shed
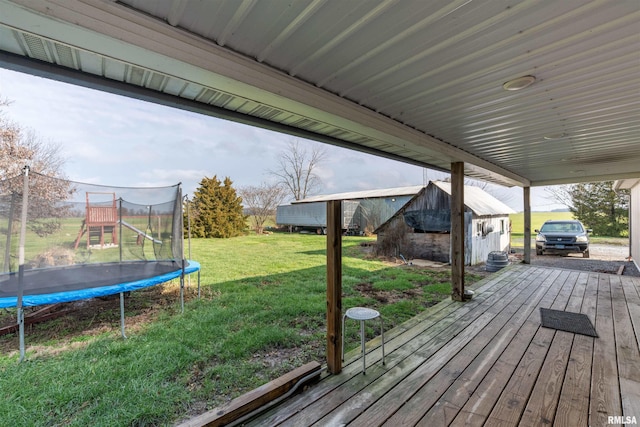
[422,227]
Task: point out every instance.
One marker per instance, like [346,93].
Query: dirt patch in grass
[388,297]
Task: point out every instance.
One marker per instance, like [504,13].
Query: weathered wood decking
[489,362]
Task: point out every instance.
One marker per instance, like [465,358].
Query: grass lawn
[261,314]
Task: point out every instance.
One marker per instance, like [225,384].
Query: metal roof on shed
[368,194]
[478,200]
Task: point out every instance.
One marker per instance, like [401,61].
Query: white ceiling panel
[419,81]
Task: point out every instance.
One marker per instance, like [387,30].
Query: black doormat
[576,323]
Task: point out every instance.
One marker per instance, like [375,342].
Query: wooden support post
[527,225]
[457,231]
[334,286]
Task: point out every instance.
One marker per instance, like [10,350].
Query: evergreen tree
[216,210]
[600,208]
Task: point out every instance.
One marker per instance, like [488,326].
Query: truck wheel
[585,254]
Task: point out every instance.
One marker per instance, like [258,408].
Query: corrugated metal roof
[367,194]
[421,81]
[478,200]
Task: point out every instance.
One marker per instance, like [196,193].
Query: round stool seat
[362,313]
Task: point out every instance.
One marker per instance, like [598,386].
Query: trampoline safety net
[71,224]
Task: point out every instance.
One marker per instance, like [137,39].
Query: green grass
[62,241]
[262,313]
[537,219]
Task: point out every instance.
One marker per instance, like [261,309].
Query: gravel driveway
[604,259]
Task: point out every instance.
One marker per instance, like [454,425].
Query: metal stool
[362,314]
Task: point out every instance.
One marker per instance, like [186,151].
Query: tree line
[218,210]
[597,205]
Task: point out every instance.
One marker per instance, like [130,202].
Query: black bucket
[497,260]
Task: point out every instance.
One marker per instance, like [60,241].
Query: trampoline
[65,241]
[77,282]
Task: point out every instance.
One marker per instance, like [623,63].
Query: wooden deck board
[485,398]
[430,393]
[460,391]
[605,385]
[489,362]
[542,403]
[573,404]
[477,322]
[627,351]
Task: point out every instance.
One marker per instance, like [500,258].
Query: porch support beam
[334,286]
[526,194]
[457,231]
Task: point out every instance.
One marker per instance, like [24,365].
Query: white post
[527,224]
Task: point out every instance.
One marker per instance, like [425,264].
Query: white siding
[634,224]
[497,240]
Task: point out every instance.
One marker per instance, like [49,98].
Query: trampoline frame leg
[198,284]
[122,315]
[182,293]
[21,332]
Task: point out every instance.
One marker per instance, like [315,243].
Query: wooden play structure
[100,219]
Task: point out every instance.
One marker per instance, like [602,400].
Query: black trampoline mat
[83,276]
[576,323]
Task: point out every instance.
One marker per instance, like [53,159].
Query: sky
[114,140]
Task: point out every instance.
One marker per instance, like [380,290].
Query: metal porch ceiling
[413,80]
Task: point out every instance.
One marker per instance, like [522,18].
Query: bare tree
[296,171]
[20,147]
[562,194]
[261,202]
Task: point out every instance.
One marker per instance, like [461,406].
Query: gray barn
[422,227]
[362,211]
